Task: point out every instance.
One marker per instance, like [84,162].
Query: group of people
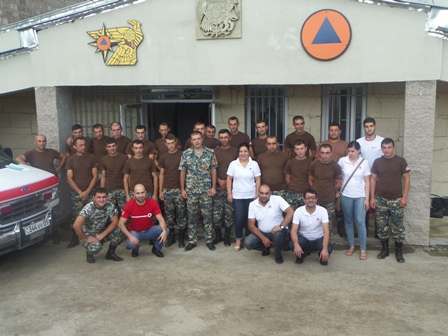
[249,191]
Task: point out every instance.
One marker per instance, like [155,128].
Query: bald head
[140,193]
[264,194]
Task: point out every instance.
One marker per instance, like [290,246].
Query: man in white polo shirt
[310,230]
[273,214]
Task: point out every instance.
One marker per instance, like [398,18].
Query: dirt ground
[51,290]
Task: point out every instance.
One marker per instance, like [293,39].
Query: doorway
[179,116]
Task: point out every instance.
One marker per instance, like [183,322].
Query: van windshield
[5,159]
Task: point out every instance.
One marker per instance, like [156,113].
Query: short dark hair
[334,124]
[298,117]
[272,137]
[170,136]
[196,133]
[143,127]
[369,120]
[110,141]
[234,118]
[224,131]
[310,191]
[116,123]
[164,124]
[99,190]
[137,142]
[199,122]
[244,144]
[75,140]
[300,142]
[211,126]
[261,121]
[326,145]
[355,145]
[98,126]
[387,141]
[76,127]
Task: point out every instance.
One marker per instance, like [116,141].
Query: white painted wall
[389,44]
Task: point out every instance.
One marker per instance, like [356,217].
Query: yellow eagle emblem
[118,45]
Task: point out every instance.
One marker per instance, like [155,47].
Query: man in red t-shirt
[139,213]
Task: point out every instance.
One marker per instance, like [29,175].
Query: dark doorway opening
[180,116]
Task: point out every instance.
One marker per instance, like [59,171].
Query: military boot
[218,236]
[171,238]
[399,252]
[384,249]
[181,238]
[74,241]
[111,255]
[227,237]
[90,258]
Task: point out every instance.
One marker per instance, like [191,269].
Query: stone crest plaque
[218,19]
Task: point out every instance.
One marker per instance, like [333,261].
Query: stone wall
[440,158]
[230,101]
[18,121]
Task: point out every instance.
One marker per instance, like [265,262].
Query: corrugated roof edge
[67,14]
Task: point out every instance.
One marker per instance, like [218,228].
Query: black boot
[90,258]
[181,238]
[399,252]
[171,238]
[384,249]
[218,236]
[74,241]
[111,255]
[227,234]
[190,246]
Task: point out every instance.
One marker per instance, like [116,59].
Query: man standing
[237,137]
[300,134]
[389,192]
[339,146]
[273,215]
[116,132]
[371,142]
[140,169]
[272,165]
[149,149]
[42,157]
[77,132]
[111,168]
[297,170]
[310,230]
[140,211]
[169,180]
[81,177]
[258,144]
[164,130]
[198,186]
[223,210]
[210,140]
[326,178]
[97,224]
[98,143]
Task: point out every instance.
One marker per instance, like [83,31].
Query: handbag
[338,200]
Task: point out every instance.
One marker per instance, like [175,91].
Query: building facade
[182,61]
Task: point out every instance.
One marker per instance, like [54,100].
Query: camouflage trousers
[389,219]
[77,203]
[115,238]
[118,198]
[294,199]
[282,193]
[199,204]
[175,210]
[222,210]
[331,209]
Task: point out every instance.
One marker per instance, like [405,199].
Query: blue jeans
[355,212]
[279,239]
[241,208]
[151,234]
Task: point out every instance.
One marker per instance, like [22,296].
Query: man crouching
[140,211]
[96,224]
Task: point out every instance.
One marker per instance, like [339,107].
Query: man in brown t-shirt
[169,179]
[77,131]
[81,177]
[140,169]
[116,132]
[223,210]
[272,165]
[42,157]
[258,144]
[199,126]
[389,192]
[300,134]
[326,178]
[160,144]
[237,137]
[297,170]
[210,141]
[149,148]
[339,146]
[112,173]
[98,142]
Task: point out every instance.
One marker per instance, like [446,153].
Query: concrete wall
[230,101]
[269,52]
[440,159]
[18,121]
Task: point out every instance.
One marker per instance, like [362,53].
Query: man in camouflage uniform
[170,192]
[390,184]
[97,224]
[198,186]
[223,210]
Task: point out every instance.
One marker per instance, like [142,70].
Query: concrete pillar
[54,112]
[419,116]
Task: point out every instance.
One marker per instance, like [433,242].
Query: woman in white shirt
[355,197]
[243,181]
